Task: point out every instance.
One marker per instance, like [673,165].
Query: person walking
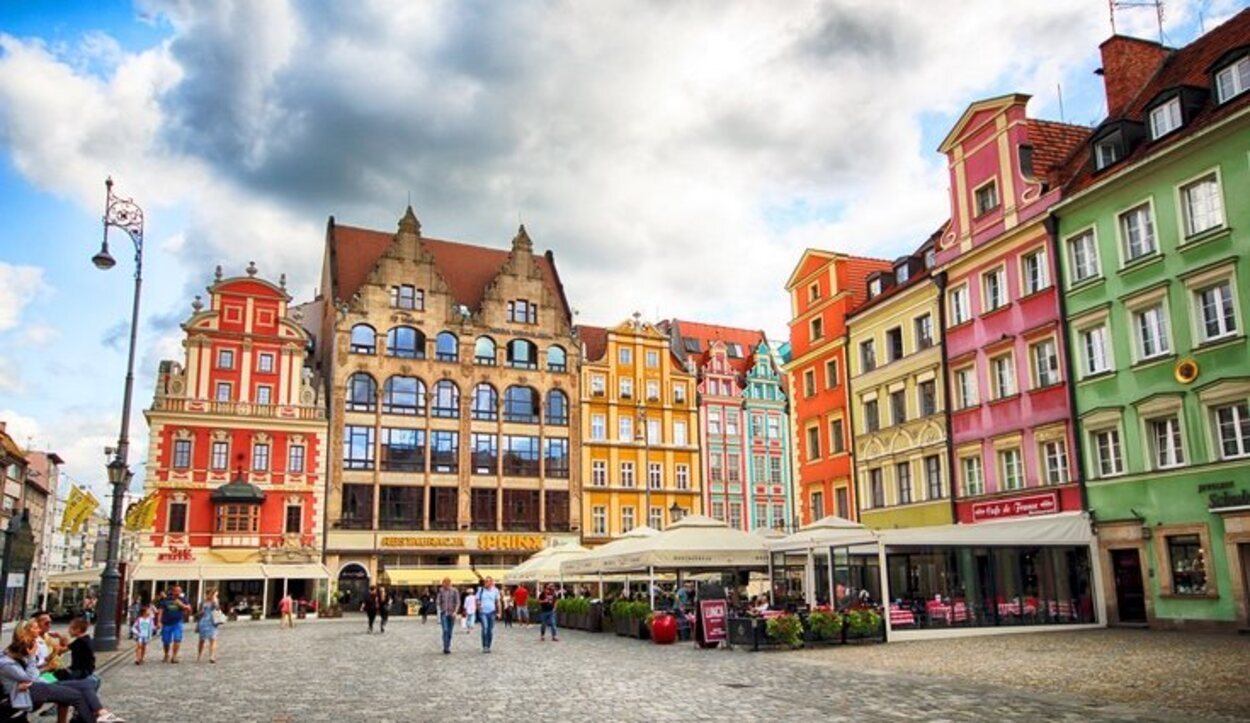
[447,602]
[488,605]
[285,608]
[370,605]
[206,626]
[384,608]
[521,597]
[509,609]
[174,610]
[547,613]
[425,607]
[470,609]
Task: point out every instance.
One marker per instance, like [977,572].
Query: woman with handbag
[210,618]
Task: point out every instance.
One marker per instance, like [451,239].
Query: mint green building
[1153,236]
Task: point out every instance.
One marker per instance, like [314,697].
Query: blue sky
[677,159]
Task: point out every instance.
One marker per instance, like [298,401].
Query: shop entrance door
[1130,594]
[1244,553]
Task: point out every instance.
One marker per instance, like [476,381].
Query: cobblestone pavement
[332,671]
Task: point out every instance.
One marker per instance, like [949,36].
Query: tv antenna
[1114,5]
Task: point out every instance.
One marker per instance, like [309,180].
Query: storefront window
[1189,568]
[989,586]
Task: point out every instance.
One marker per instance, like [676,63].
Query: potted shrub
[562,613]
[594,616]
[620,616]
[863,624]
[824,627]
[638,614]
[786,630]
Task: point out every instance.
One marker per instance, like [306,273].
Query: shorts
[143,639]
[171,633]
[523,613]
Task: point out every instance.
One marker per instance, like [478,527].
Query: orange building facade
[824,287]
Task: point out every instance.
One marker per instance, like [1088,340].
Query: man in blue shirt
[488,607]
[174,610]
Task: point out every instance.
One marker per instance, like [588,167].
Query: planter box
[594,619]
[621,626]
[638,629]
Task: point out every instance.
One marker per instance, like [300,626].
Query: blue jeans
[448,621]
[547,620]
[488,628]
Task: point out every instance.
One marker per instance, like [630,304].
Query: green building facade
[1153,238]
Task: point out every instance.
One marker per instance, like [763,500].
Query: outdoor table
[899,616]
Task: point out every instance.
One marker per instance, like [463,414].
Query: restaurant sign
[176,554]
[1026,506]
[1224,498]
[484,541]
[713,615]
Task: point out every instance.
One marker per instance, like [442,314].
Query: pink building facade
[1012,447]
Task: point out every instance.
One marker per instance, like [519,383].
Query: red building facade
[824,287]
[237,453]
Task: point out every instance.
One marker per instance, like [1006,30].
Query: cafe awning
[179,571]
[297,571]
[824,533]
[543,566]
[591,563]
[1065,528]
[693,543]
[433,576]
[237,571]
[75,577]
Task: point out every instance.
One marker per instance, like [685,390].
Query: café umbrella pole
[651,585]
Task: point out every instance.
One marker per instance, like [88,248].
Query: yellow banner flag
[73,505]
[149,512]
[142,514]
[88,508]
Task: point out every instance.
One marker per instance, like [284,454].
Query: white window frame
[992,184]
[1175,454]
[679,433]
[1228,295]
[959,304]
[681,476]
[1185,217]
[1165,118]
[627,473]
[598,473]
[1116,444]
[1085,239]
[265,362]
[653,359]
[1150,232]
[599,520]
[1146,332]
[1000,300]
[1050,363]
[1107,358]
[1238,76]
[1003,375]
[1240,409]
[1027,284]
[598,385]
[1055,462]
[973,484]
[625,387]
[966,396]
[598,427]
[1011,459]
[624,428]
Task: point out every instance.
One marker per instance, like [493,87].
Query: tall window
[902,475]
[1188,564]
[894,344]
[679,433]
[405,342]
[837,440]
[960,310]
[403,395]
[521,311]
[872,418]
[224,392]
[260,457]
[1137,232]
[599,520]
[598,426]
[681,476]
[876,487]
[403,450]
[655,518]
[295,459]
[933,476]
[1012,467]
[809,382]
[1096,349]
[774,470]
[182,454]
[556,457]
[653,359]
[995,288]
[446,399]
[1107,452]
[357,447]
[1201,205]
[1036,273]
[818,505]
[264,363]
[625,428]
[966,387]
[357,507]
[655,475]
[598,385]
[362,393]
[484,453]
[817,328]
[1152,331]
[973,476]
[1232,423]
[927,393]
[294,519]
[625,387]
[444,450]
[713,420]
[520,405]
[1165,439]
[177,517]
[599,473]
[225,358]
[1165,119]
[733,468]
[264,395]
[679,393]
[716,468]
[1084,255]
[627,474]
[924,331]
[557,359]
[831,374]
[1055,459]
[484,351]
[986,198]
[1045,363]
[1217,311]
[625,355]
[731,422]
[446,346]
[813,443]
[220,456]
[867,355]
[1003,376]
[364,339]
[485,403]
[557,408]
[898,406]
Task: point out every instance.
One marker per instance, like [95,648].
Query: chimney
[1127,65]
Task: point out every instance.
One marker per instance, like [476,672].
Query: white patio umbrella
[591,562]
[544,566]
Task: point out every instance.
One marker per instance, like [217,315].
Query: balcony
[238,409]
[236,539]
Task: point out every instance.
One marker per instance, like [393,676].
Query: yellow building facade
[640,432]
[898,399]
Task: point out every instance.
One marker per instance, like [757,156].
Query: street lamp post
[124,214]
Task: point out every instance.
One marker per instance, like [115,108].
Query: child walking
[144,628]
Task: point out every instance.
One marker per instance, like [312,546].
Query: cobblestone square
[334,671]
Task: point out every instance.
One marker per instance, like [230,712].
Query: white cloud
[19,286]
[11,381]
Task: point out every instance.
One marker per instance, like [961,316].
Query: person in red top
[522,598]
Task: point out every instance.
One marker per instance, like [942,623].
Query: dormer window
[1233,80]
[1026,162]
[874,287]
[1107,152]
[902,272]
[1165,119]
[930,258]
[987,197]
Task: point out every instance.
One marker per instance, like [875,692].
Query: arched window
[446,399]
[557,359]
[403,395]
[446,346]
[364,339]
[522,354]
[520,404]
[485,402]
[405,342]
[484,351]
[557,408]
[362,393]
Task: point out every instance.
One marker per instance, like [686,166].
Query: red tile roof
[467,269]
[854,277]
[911,281]
[708,333]
[1053,144]
[594,339]
[1188,66]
